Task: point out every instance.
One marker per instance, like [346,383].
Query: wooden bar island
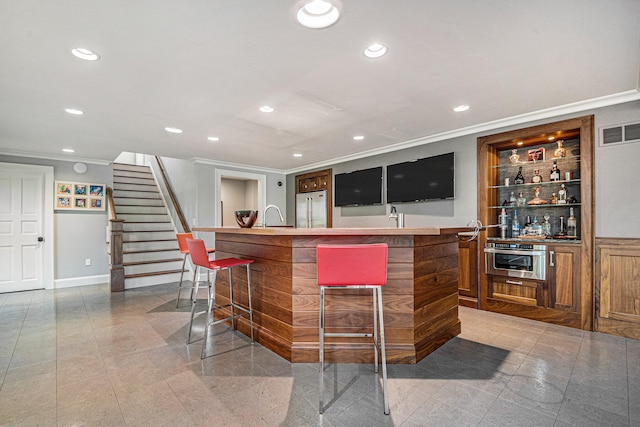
[420,298]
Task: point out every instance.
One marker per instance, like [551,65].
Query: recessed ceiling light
[520,142]
[68,150]
[358,137]
[551,138]
[267,109]
[297,154]
[86,54]
[460,108]
[375,50]
[173,130]
[213,138]
[318,13]
[74,111]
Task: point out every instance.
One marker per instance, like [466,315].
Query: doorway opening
[237,190]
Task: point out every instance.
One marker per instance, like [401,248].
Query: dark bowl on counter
[246,218]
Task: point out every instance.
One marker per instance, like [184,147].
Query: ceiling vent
[620,134]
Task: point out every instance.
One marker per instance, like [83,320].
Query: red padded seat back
[352,265]
[198,252]
[182,241]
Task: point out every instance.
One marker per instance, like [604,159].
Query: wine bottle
[554,175]
[572,225]
[519,179]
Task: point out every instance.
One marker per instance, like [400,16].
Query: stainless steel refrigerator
[311,209]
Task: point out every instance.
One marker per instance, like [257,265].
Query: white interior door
[22,227]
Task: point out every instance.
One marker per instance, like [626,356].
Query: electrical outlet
[87,262]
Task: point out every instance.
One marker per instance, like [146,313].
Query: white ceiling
[206,67]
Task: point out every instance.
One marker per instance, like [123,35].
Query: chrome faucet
[399,217]
[264,215]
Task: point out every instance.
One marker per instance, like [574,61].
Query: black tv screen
[357,188]
[423,179]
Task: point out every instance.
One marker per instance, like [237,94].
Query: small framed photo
[63,187]
[96,204]
[536,155]
[63,202]
[80,189]
[80,203]
[96,190]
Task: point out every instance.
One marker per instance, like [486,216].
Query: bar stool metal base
[377,316]
[211,307]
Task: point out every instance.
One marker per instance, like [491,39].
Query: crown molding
[575,107]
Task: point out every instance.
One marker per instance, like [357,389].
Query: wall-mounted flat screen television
[423,179]
[359,188]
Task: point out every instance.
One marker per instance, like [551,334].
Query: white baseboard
[81,281]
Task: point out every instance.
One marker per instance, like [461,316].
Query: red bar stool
[184,250]
[200,258]
[354,267]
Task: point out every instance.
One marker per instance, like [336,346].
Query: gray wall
[77,235]
[616,176]
[194,185]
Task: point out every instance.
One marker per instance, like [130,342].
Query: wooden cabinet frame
[489,148]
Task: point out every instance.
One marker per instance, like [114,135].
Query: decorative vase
[246,218]
[560,152]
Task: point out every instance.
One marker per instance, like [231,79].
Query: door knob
[40,239]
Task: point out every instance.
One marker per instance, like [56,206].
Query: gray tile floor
[83,356]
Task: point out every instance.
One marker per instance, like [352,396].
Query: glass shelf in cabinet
[546,205]
[537,184]
[558,160]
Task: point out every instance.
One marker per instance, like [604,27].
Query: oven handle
[514,252]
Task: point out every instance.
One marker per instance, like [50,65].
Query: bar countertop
[291,231]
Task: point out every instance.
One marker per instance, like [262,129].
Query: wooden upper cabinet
[314,181]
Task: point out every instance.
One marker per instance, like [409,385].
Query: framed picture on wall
[79,196]
[63,202]
[535,155]
[63,187]
[80,189]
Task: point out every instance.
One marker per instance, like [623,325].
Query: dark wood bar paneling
[420,298]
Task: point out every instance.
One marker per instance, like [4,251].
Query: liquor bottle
[554,175]
[572,225]
[522,201]
[553,200]
[546,227]
[519,179]
[512,199]
[503,221]
[562,195]
[537,228]
[526,230]
[515,225]
[536,177]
